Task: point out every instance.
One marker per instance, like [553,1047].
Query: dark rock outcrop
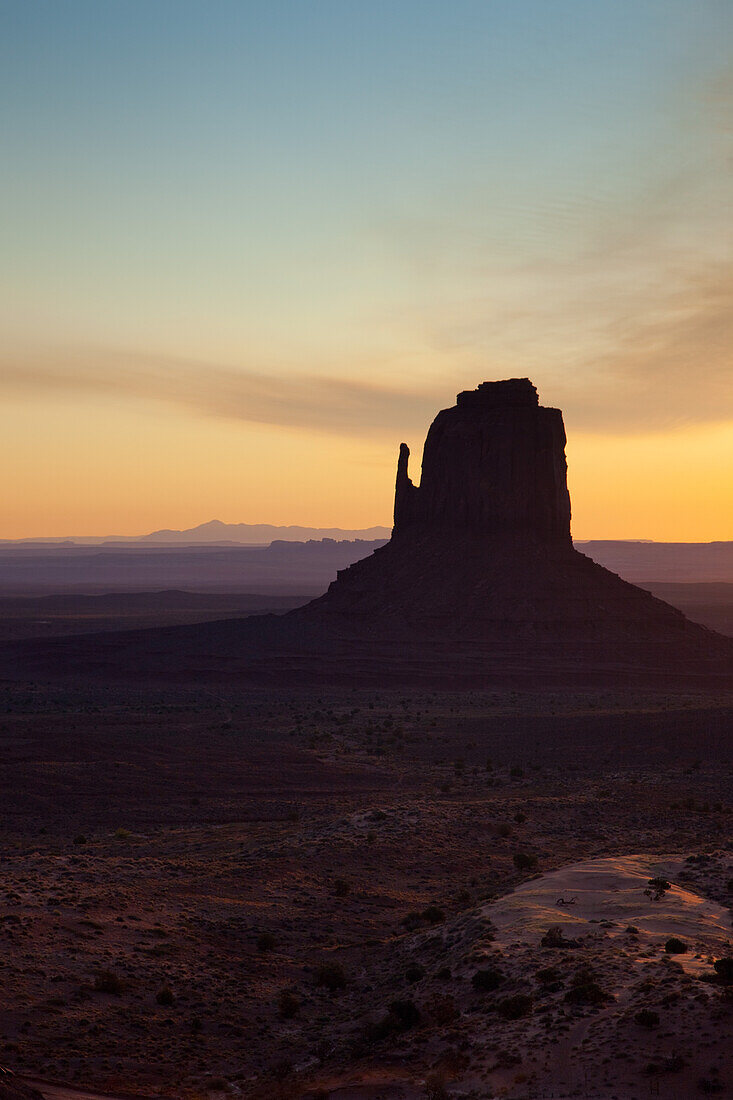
[493,464]
[481,569]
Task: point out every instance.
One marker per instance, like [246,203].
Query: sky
[247,248]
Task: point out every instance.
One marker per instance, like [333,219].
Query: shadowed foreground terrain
[270,893]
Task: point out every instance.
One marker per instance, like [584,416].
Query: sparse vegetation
[675,946]
[514,1008]
[331,975]
[106,981]
[487,980]
[524,861]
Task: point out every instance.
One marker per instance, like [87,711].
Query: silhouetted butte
[478,585]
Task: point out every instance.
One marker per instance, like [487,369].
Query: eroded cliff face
[493,464]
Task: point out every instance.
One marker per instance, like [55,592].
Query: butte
[480,580]
[479,586]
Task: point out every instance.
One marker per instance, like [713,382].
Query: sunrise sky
[248,247]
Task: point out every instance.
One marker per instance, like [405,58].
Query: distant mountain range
[289,566]
[216,532]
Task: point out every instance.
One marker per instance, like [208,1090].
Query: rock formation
[481,572]
[479,586]
[494,464]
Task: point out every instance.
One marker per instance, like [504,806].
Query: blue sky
[326,218]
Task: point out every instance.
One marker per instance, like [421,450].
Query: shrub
[435,1087]
[548,975]
[487,980]
[673,946]
[108,982]
[415,972]
[657,888]
[402,1016]
[433,914]
[554,937]
[504,830]
[265,942]
[331,975]
[444,1010]
[514,1008]
[341,887]
[585,990]
[287,1005]
[647,1018]
[516,772]
[523,861]
[165,996]
[724,968]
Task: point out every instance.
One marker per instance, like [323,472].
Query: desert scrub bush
[555,937]
[444,1010]
[402,1016]
[523,861]
[487,980]
[504,830]
[165,996]
[287,1005]
[674,946]
[435,1087]
[413,920]
[106,981]
[331,976]
[266,942]
[548,975]
[585,990]
[724,968]
[514,1008]
[657,888]
[516,772]
[647,1018]
[414,972]
[341,887]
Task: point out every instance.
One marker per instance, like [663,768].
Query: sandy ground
[159,835]
[612,891]
[63,1092]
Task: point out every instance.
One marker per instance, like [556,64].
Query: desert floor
[291,894]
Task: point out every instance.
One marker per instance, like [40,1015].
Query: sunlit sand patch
[608,896]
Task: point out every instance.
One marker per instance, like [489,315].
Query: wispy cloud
[314,402]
